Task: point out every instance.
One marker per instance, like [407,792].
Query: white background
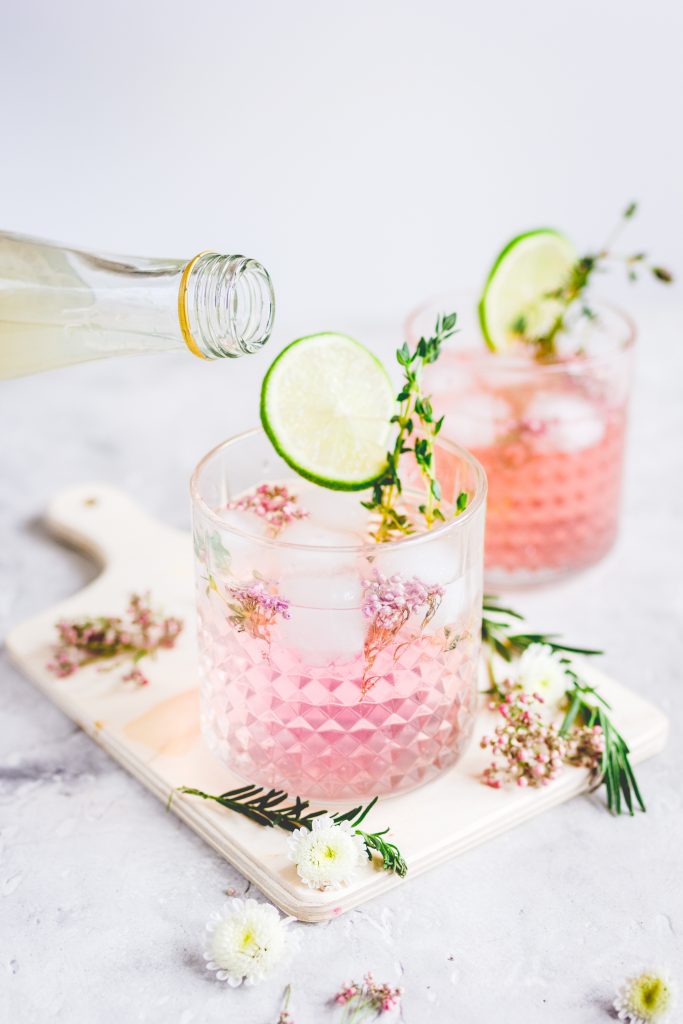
[370,154]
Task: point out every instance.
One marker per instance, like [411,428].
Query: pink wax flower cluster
[530,752]
[526,750]
[368,999]
[139,633]
[255,609]
[388,602]
[585,747]
[273,503]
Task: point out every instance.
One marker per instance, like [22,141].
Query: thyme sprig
[416,433]
[573,290]
[500,635]
[587,707]
[265,807]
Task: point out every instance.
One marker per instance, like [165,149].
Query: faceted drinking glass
[550,435]
[303,686]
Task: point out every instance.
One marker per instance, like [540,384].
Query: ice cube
[476,420]
[334,510]
[320,561]
[569,422]
[433,560]
[318,535]
[323,590]
[456,604]
[247,554]
[244,521]
[322,635]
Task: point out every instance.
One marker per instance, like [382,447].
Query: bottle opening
[226,306]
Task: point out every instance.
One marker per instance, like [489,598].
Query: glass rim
[522,362]
[413,540]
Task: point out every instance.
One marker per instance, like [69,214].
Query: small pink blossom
[585,747]
[136,676]
[285,1016]
[367,1000]
[388,602]
[113,639]
[526,750]
[255,609]
[273,503]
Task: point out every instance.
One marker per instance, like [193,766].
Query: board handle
[103,522]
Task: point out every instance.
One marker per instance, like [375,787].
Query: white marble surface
[104,896]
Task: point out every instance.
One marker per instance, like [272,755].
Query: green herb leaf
[415,413]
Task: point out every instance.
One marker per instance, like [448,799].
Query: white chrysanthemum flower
[540,670]
[246,941]
[647,999]
[327,855]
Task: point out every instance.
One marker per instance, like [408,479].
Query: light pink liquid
[552,448]
[552,510]
[281,721]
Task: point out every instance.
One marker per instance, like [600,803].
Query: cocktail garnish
[519,303]
[417,431]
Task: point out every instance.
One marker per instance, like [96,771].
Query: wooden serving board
[153,731]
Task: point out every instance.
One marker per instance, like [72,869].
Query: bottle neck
[226,306]
[60,305]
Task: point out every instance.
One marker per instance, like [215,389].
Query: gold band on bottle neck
[182,307]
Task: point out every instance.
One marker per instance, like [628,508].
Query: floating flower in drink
[272,503]
[255,609]
[388,604]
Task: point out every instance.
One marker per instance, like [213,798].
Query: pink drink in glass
[550,437]
[317,698]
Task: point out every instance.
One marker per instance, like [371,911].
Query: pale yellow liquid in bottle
[60,306]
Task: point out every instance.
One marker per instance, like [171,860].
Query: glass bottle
[60,305]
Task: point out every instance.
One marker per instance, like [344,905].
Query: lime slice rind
[326,405]
[532,265]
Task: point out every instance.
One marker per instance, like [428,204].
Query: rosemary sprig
[416,433]
[615,770]
[501,634]
[266,808]
[580,277]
